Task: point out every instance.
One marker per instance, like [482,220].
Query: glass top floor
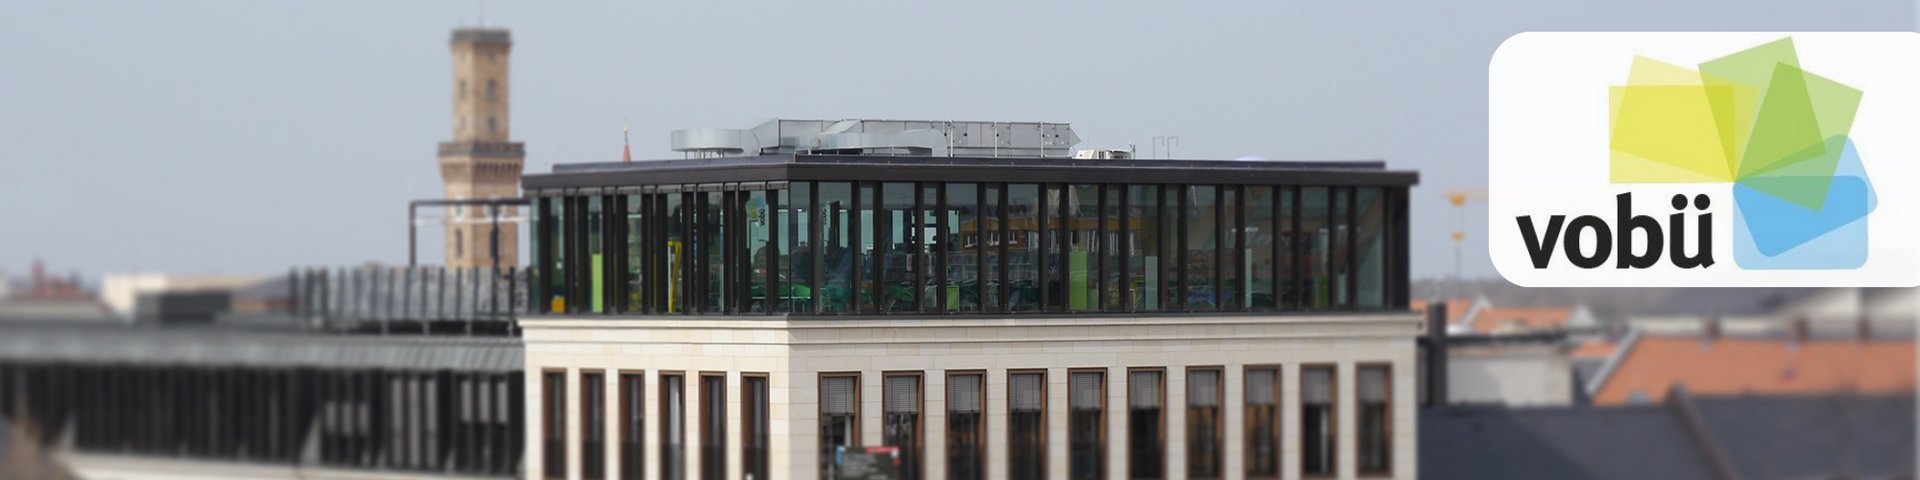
[833,235]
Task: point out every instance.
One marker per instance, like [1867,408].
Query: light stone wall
[795,352]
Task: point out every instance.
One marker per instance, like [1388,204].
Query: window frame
[554,433]
[1333,414]
[1278,421]
[1161,425]
[666,435]
[592,388]
[626,420]
[820,405]
[1359,407]
[1046,430]
[980,427]
[919,441]
[1219,418]
[707,420]
[749,439]
[1102,438]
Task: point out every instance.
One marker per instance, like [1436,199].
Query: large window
[1317,431]
[1374,386]
[673,426]
[755,426]
[836,220]
[596,255]
[713,426]
[1201,240]
[1146,423]
[839,419]
[1370,262]
[797,248]
[1087,425]
[931,248]
[1083,242]
[633,418]
[554,424]
[593,426]
[964,244]
[1023,275]
[901,425]
[1145,280]
[676,252]
[1027,424]
[1263,422]
[1259,250]
[898,248]
[1204,440]
[966,426]
[1316,236]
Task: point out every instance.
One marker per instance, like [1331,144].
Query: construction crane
[1458,197]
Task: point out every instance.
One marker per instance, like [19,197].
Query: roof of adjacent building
[1696,437]
[1654,364]
[1494,319]
[254,346]
[1456,308]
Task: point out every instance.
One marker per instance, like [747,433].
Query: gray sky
[245,137]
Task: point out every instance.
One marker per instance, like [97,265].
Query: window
[1023,230]
[838,256]
[596,257]
[1370,229]
[1053,248]
[1375,389]
[712,231]
[713,427]
[1201,237]
[1144,247]
[493,94]
[673,427]
[902,421]
[1263,422]
[1317,429]
[1146,424]
[994,246]
[492,125]
[758,236]
[797,248]
[675,252]
[555,226]
[636,260]
[1228,256]
[1289,248]
[965,239]
[555,424]
[593,426]
[1340,252]
[633,417]
[459,243]
[1113,240]
[1026,424]
[1316,236]
[1083,244]
[897,249]
[865,230]
[1086,425]
[1259,251]
[966,426]
[754,426]
[839,418]
[1204,442]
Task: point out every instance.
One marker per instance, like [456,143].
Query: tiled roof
[1456,308]
[1730,366]
[1601,349]
[1503,319]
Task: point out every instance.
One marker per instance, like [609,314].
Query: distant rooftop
[937,138]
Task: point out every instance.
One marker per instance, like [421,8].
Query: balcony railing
[427,300]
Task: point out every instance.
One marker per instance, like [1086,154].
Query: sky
[249,137]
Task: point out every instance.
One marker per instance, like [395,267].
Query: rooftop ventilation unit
[882,137]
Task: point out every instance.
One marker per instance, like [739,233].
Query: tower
[481,162]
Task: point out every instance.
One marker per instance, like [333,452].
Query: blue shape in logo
[1771,233]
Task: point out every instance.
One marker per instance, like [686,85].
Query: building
[1807,436]
[808,297]
[482,162]
[1647,366]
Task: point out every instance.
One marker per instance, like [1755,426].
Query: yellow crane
[1458,197]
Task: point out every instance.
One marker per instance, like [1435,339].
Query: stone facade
[795,352]
[481,162]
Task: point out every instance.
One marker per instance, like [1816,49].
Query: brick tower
[481,162]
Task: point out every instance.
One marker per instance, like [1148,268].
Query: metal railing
[404,299]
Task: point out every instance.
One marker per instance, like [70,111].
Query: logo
[1704,159]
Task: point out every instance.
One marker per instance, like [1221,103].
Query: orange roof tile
[1456,308]
[1494,319]
[1653,365]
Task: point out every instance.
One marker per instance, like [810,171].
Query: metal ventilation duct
[883,137]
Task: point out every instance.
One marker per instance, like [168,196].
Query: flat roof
[888,168]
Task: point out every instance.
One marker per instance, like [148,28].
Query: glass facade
[931,248]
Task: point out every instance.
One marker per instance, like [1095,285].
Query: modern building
[482,162]
[963,300]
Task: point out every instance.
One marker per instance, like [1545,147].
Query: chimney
[1436,353]
[1798,330]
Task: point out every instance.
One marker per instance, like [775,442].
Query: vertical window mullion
[1243,289]
[854,231]
[1351,300]
[1125,244]
[1180,259]
[1000,275]
[1220,220]
[1042,262]
[1099,246]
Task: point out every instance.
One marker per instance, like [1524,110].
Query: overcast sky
[246,137]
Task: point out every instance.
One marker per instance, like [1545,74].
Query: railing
[411,299]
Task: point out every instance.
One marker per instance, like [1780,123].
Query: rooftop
[1654,364]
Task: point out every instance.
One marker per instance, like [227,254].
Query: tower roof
[483,35]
